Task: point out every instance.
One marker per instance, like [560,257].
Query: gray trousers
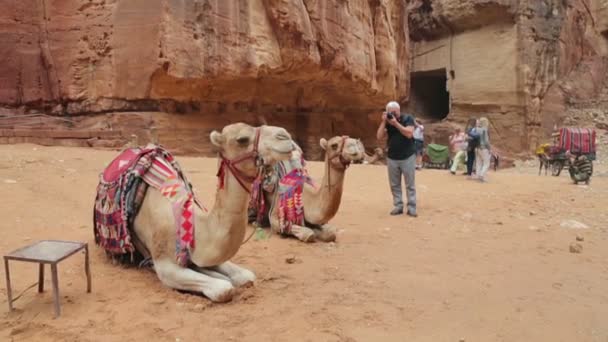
[407,168]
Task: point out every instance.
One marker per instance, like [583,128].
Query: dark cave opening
[429,98]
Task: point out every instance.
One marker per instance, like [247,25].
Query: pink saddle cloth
[122,163]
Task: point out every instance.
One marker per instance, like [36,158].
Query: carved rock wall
[216,60]
[520,63]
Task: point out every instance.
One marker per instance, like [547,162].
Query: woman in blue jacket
[473,138]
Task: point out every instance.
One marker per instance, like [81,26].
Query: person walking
[482,153]
[458,145]
[398,129]
[472,143]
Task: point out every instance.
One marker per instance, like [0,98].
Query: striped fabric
[292,175]
[581,169]
[577,140]
[121,191]
[164,177]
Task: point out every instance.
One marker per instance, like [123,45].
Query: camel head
[378,151]
[249,146]
[344,149]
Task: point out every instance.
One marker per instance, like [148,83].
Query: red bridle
[231,165]
[345,163]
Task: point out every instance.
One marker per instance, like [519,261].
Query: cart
[577,141]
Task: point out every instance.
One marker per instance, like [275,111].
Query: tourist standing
[419,142]
[398,129]
[482,153]
[473,142]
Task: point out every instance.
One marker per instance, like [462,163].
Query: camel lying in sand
[218,234]
[320,202]
[373,159]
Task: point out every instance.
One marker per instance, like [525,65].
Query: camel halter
[230,165]
[345,163]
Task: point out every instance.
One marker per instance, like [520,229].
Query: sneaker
[412,213]
[397,211]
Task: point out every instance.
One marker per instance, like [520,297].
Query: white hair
[393,105]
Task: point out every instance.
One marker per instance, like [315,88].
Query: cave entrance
[429,98]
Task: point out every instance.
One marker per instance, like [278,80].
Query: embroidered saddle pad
[120,193]
[292,175]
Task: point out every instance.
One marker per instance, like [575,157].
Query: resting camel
[219,233]
[321,202]
[375,158]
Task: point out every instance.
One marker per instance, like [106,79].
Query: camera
[390,115]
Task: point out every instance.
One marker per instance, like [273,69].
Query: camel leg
[326,233]
[302,233]
[238,275]
[185,279]
[209,272]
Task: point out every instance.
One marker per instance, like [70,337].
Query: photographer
[401,157]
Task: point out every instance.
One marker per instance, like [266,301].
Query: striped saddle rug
[120,193]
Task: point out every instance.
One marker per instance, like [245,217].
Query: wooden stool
[47,252]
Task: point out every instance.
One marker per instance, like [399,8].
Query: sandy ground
[483,262]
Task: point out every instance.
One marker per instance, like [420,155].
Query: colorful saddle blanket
[286,181]
[121,191]
[292,176]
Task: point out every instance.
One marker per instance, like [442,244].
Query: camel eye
[242,140]
[334,146]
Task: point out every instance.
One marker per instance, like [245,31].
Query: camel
[374,159]
[219,233]
[321,202]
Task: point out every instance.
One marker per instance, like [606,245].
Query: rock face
[95,72]
[520,63]
[316,62]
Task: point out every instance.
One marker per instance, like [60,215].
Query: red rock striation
[318,63]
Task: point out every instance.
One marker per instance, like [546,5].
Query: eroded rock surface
[272,60]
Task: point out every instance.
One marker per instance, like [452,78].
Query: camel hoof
[325,234]
[308,238]
[303,234]
[222,292]
[245,278]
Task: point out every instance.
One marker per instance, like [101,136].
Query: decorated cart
[577,141]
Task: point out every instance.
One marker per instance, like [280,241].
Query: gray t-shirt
[484,137]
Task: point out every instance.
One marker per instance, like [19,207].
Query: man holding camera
[401,157]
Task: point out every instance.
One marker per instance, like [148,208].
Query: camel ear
[323,143]
[217,138]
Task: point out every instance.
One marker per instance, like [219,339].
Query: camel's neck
[328,196]
[220,233]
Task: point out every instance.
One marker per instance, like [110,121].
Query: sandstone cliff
[103,72]
[320,63]
[519,62]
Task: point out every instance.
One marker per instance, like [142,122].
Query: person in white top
[419,143]
[458,145]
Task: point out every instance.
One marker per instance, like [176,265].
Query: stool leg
[41,278]
[9,290]
[55,289]
[87,267]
